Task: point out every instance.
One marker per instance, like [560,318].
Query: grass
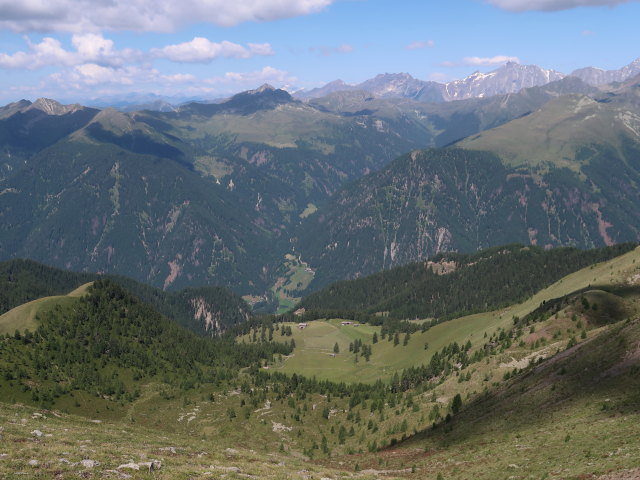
[23,317]
[572,416]
[558,420]
[553,133]
[314,344]
[310,210]
[213,167]
[66,440]
[296,277]
[280,128]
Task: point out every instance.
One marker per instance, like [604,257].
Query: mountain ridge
[508,78]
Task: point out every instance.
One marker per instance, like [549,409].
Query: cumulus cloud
[327,51]
[551,5]
[89,48]
[144,15]
[420,44]
[202,50]
[94,48]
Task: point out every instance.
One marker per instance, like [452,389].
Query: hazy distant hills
[509,78]
[597,76]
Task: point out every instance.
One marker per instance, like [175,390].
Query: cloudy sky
[78,50]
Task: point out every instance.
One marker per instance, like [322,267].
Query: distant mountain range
[258,191]
[509,78]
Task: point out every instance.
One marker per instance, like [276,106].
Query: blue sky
[77,50]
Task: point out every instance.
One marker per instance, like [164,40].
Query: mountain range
[509,78]
[565,174]
[273,197]
[438,310]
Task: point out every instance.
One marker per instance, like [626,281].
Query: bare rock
[152,466]
[230,452]
[37,433]
[89,463]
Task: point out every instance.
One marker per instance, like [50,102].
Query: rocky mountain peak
[263,88]
[51,107]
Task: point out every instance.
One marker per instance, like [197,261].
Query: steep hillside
[26,128]
[441,200]
[571,415]
[160,190]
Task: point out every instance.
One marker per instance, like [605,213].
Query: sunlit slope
[314,352]
[561,132]
[23,317]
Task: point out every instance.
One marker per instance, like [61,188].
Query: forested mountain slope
[453,284]
[208,310]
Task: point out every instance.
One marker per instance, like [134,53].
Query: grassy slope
[293,280]
[23,316]
[69,439]
[555,131]
[574,416]
[315,343]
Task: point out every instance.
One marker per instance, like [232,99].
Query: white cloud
[144,15]
[48,52]
[91,74]
[497,60]
[261,49]
[551,5]
[92,80]
[253,79]
[202,50]
[481,61]
[90,48]
[326,51]
[420,44]
[439,77]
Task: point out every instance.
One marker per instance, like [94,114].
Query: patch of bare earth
[632,474]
